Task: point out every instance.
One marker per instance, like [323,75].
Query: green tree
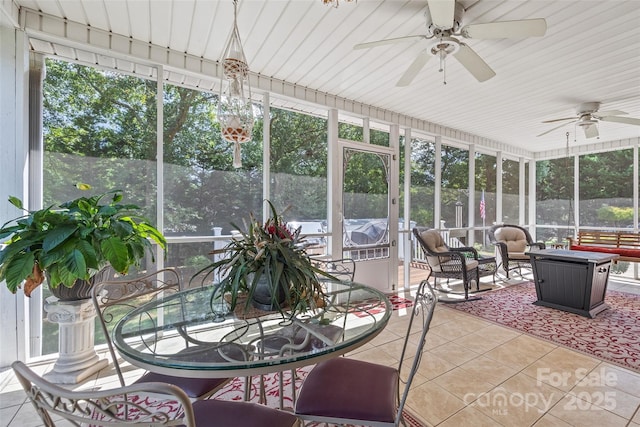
[99,127]
[613,169]
[619,216]
[423,158]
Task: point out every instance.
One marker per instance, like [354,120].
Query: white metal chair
[113,299]
[343,269]
[348,391]
[142,404]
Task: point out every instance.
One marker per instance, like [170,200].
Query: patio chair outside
[511,242]
[141,404]
[349,391]
[448,263]
[113,299]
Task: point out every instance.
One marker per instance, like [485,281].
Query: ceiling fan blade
[414,69]
[376,43]
[591,131]
[442,12]
[559,120]
[626,120]
[473,63]
[601,114]
[557,127]
[506,29]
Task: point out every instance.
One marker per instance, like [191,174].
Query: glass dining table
[192,334]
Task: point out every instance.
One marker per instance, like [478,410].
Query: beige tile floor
[474,373]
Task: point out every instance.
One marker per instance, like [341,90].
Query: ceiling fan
[587,117]
[443,18]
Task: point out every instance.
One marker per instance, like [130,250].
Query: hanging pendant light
[235,111]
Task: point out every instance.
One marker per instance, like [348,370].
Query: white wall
[13,174]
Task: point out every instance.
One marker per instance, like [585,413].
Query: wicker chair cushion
[435,243]
[514,238]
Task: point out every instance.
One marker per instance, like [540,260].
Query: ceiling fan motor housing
[436,31]
[585,112]
[587,108]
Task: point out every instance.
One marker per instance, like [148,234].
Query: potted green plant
[70,244]
[268,267]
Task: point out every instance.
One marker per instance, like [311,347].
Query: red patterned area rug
[369,307]
[234,390]
[613,335]
[398,302]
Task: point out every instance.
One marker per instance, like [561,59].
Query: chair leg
[281,387]
[474,276]
[247,388]
[497,272]
[263,395]
[294,376]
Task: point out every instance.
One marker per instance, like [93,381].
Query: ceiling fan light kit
[443,21]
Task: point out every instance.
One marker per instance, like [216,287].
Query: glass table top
[191,334]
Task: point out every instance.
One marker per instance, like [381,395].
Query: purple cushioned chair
[141,404]
[112,299]
[348,391]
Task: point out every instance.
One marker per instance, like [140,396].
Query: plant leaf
[57,236]
[75,265]
[122,228]
[18,270]
[83,186]
[14,248]
[16,202]
[115,251]
[89,254]
[50,258]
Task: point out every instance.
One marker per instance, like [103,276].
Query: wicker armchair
[511,242]
[448,263]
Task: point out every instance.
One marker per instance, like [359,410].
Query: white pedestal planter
[76,325]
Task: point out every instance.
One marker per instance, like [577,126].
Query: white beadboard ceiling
[591,52]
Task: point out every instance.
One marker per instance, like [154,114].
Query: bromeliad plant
[272,255]
[74,241]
